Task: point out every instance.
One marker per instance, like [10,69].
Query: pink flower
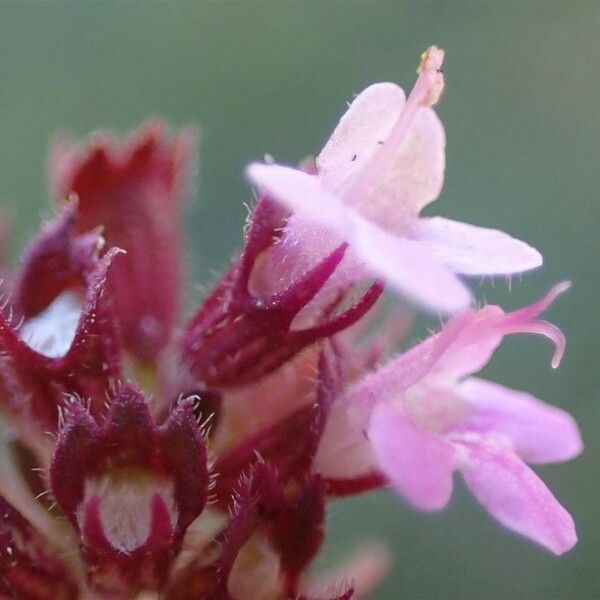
[382,165]
[424,417]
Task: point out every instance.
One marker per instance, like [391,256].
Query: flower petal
[301,193]
[418,464]
[524,320]
[405,264]
[358,135]
[539,433]
[516,497]
[409,268]
[390,381]
[463,346]
[344,452]
[482,332]
[409,168]
[475,250]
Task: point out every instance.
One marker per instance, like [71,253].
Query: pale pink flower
[422,416]
[382,165]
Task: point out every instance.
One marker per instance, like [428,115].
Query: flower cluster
[146,456]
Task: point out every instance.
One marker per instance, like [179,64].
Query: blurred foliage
[521,116]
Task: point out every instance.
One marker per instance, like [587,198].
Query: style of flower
[144,456]
[381,166]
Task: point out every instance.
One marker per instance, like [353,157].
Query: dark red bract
[37,385]
[113,407]
[165,465]
[136,192]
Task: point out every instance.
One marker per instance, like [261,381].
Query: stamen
[431,64]
[426,92]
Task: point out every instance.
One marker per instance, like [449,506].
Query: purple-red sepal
[129,455]
[236,338]
[135,190]
[277,496]
[35,386]
[289,445]
[290,515]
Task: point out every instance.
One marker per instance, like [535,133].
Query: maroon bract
[66,344]
[130,488]
[265,506]
[135,191]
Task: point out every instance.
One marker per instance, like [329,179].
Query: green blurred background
[521,115]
